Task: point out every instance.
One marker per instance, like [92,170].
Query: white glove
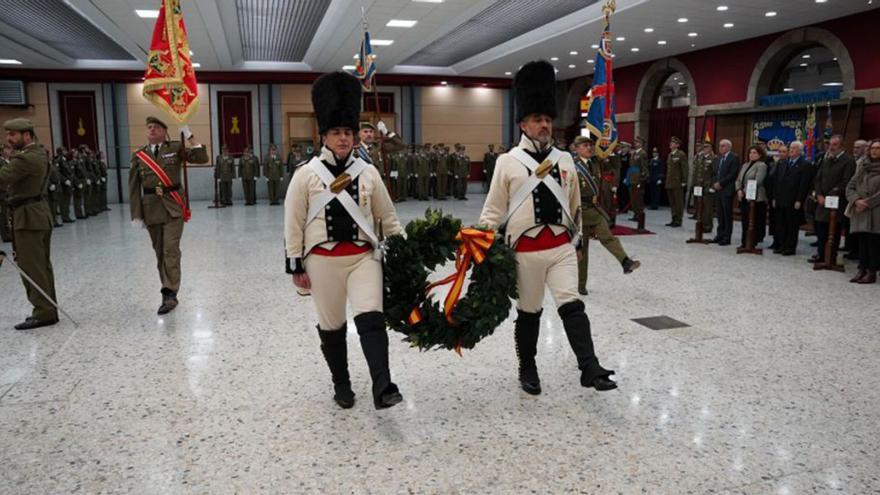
[104,180]
[382,128]
[79,186]
[137,223]
[659,182]
[51,187]
[613,189]
[187,134]
[67,183]
[89,182]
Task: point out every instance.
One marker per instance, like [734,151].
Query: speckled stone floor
[773,388]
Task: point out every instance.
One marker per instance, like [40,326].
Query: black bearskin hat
[535,90]
[336,99]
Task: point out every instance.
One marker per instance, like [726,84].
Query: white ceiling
[216,38]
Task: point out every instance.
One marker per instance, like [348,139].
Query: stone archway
[786,46]
[570,112]
[651,81]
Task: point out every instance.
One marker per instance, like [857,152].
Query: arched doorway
[668,116]
[813,68]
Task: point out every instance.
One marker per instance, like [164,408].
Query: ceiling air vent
[12,93]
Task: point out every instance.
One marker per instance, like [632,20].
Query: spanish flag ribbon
[473,244]
[169,80]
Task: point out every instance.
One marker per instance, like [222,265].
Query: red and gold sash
[166,181]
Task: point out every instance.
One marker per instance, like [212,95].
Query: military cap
[582,140]
[367,125]
[19,125]
[639,139]
[708,143]
[154,120]
[676,140]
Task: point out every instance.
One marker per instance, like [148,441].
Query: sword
[4,257]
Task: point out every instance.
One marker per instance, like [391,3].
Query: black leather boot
[335,351]
[374,342]
[169,302]
[525,333]
[577,328]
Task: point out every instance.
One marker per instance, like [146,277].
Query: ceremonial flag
[170,82]
[810,144]
[829,126]
[601,121]
[365,67]
[709,125]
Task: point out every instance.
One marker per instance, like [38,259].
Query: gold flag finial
[608,9]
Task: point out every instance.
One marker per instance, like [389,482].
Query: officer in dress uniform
[676,180]
[53,193]
[65,170]
[154,204]
[102,180]
[462,172]
[25,178]
[489,159]
[423,172]
[704,172]
[533,201]
[370,146]
[637,175]
[330,214]
[273,170]
[224,171]
[593,218]
[249,171]
[79,184]
[609,168]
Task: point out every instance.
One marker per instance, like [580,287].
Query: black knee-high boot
[336,354]
[525,333]
[577,328]
[374,342]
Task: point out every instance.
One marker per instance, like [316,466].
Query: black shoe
[57,224]
[777,251]
[787,253]
[335,350]
[30,323]
[670,224]
[583,292]
[630,266]
[577,329]
[374,343]
[602,383]
[724,243]
[525,334]
[169,302]
[68,220]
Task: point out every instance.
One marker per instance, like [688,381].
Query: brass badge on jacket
[544,169]
[340,183]
[160,191]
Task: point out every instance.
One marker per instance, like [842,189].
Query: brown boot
[860,274]
[870,277]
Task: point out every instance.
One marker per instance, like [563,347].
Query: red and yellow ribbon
[473,244]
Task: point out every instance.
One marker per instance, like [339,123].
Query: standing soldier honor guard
[593,218]
[65,170]
[53,193]
[422,172]
[704,172]
[676,181]
[489,159]
[157,201]
[224,171]
[273,170]
[330,215]
[637,175]
[25,178]
[533,201]
[462,172]
[79,184]
[249,171]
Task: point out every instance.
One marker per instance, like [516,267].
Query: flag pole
[373,86]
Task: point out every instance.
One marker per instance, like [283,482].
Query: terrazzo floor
[773,388]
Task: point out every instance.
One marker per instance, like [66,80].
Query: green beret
[582,140]
[19,125]
[367,125]
[154,120]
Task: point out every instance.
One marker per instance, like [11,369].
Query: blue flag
[365,67]
[601,121]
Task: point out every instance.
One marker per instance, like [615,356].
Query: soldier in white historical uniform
[534,202]
[333,207]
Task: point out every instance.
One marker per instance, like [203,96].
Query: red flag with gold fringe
[170,81]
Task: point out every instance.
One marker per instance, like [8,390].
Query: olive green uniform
[273,170]
[68,181]
[489,160]
[92,188]
[703,174]
[676,175]
[161,215]
[638,178]
[5,228]
[79,187]
[224,171]
[102,184]
[609,173]
[442,176]
[422,172]
[54,192]
[462,172]
[27,177]
[249,171]
[594,219]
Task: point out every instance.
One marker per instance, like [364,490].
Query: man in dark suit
[833,174]
[726,168]
[790,190]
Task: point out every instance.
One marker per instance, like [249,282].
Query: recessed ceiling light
[347,67]
[721,8]
[634,49]
[356,55]
[381,42]
[554,59]
[788,90]
[621,38]
[147,13]
[806,55]
[428,1]
[556,71]
[571,66]
[572,52]
[196,65]
[821,1]
[9,61]
[832,84]
[591,61]
[444,83]
[649,30]
[681,84]
[728,25]
[804,64]
[682,19]
[770,14]
[400,23]
[594,47]
[692,35]
[835,59]
[693,45]
[508,73]
[661,42]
